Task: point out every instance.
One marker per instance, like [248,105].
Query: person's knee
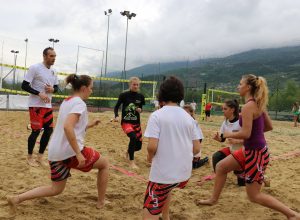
[221,168]
[35,133]
[132,135]
[102,164]
[216,158]
[105,163]
[57,190]
[48,131]
[253,197]
[138,146]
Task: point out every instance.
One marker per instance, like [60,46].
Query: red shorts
[60,170]
[156,195]
[255,165]
[127,128]
[240,157]
[226,151]
[40,117]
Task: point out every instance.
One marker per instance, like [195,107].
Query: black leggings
[134,144]
[44,139]
[218,156]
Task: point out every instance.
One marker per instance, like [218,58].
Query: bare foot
[42,163]
[101,204]
[209,202]
[132,165]
[12,202]
[295,217]
[32,162]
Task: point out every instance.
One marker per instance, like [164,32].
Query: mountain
[276,64]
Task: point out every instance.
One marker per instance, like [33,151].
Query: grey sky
[163,30]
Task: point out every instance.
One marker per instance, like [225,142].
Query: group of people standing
[174,139]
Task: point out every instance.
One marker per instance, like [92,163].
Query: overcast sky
[163,30]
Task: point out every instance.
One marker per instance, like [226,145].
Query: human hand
[49,89]
[96,122]
[44,97]
[81,160]
[217,137]
[139,110]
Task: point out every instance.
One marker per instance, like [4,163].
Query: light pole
[129,16]
[15,52]
[1,76]
[26,42]
[53,41]
[107,13]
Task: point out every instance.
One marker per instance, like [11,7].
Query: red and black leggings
[134,132]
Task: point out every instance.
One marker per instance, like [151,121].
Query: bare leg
[256,196]
[102,179]
[147,215]
[225,166]
[43,191]
[165,211]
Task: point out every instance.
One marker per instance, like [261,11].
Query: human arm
[92,124]
[235,141]
[26,87]
[117,106]
[267,122]
[152,148]
[196,147]
[139,109]
[69,126]
[51,89]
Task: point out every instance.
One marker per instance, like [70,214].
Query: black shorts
[207,113]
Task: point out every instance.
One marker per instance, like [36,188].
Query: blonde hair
[190,110]
[134,78]
[259,90]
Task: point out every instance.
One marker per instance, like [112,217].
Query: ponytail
[259,90]
[78,81]
[262,93]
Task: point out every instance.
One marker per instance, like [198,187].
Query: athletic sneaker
[197,162]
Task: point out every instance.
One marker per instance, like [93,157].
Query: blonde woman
[254,122]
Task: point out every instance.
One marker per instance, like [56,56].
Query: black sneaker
[200,162]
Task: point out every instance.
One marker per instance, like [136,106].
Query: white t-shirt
[231,127]
[176,130]
[59,146]
[156,103]
[38,76]
[201,136]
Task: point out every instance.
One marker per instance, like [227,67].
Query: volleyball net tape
[12,91]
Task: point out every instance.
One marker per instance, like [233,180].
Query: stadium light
[129,16]
[26,42]
[53,41]
[107,13]
[15,52]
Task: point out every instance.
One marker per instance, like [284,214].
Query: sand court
[126,187]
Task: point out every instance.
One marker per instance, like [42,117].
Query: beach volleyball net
[105,92]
